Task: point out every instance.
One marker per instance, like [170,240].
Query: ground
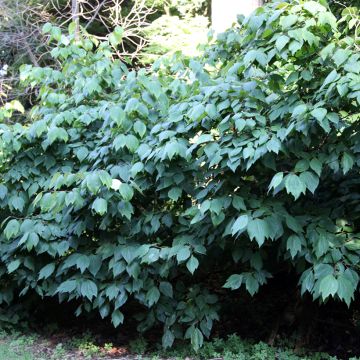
[16,345]
[20,346]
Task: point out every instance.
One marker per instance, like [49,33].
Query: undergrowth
[18,346]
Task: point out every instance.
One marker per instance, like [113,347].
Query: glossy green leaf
[294,185]
[240,224]
[46,271]
[100,206]
[258,229]
[192,264]
[328,286]
[88,289]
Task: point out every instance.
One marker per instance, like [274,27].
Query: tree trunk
[224,12]
[75,16]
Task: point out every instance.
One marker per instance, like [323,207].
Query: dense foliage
[163,186]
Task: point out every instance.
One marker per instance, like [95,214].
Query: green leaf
[345,289]
[95,264]
[197,112]
[32,240]
[276,180]
[3,191]
[330,78]
[327,51]
[100,206]
[238,203]
[12,228]
[353,245]
[174,193]
[115,38]
[310,180]
[294,47]
[24,238]
[171,149]
[166,289]
[17,202]
[13,266]
[140,128]
[293,244]
[55,32]
[294,185]
[252,285]
[126,191]
[105,178]
[240,224]
[321,244]
[129,141]
[46,28]
[93,182]
[129,253]
[293,224]
[67,286]
[104,310]
[152,296]
[46,271]
[274,145]
[197,339]
[347,162]
[56,133]
[217,219]
[340,56]
[316,165]
[319,114]
[203,138]
[258,230]
[301,165]
[112,292]
[88,289]
[115,184]
[82,262]
[168,339]
[117,114]
[132,143]
[328,286]
[211,111]
[72,27]
[288,21]
[327,18]
[192,264]
[136,168]
[117,318]
[281,42]
[16,105]
[233,282]
[82,153]
[151,256]
[183,254]
[240,124]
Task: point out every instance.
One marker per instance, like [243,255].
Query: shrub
[163,186]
